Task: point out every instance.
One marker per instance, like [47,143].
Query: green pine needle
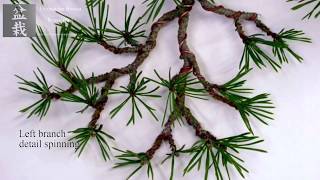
[136,91]
[280,48]
[315,11]
[99,21]
[154,7]
[235,85]
[93,3]
[223,152]
[129,158]
[88,93]
[252,52]
[258,106]
[182,84]
[172,156]
[130,34]
[66,49]
[83,135]
[294,35]
[41,107]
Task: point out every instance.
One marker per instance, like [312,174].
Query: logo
[19,20]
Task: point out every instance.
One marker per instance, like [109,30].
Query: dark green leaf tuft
[88,93]
[136,91]
[130,33]
[222,152]
[83,135]
[41,107]
[183,84]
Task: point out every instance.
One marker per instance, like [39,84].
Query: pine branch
[252,50]
[110,77]
[218,154]
[209,5]
[190,61]
[98,30]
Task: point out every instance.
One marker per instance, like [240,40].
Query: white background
[292,140]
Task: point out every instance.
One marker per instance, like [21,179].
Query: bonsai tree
[209,153]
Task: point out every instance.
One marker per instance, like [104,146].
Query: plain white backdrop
[292,139]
